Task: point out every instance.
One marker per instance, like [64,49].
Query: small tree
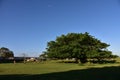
[24,57]
[6,53]
[43,56]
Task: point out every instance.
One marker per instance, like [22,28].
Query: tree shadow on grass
[106,73]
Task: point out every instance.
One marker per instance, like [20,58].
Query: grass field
[51,70]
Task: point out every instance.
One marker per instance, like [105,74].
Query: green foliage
[78,45]
[6,53]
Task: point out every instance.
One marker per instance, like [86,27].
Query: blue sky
[27,25]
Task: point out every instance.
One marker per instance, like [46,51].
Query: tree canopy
[5,52]
[79,46]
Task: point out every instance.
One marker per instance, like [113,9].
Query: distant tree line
[81,46]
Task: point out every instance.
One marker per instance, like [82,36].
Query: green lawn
[36,68]
[59,71]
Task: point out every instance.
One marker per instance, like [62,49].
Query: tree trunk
[83,60]
[76,60]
